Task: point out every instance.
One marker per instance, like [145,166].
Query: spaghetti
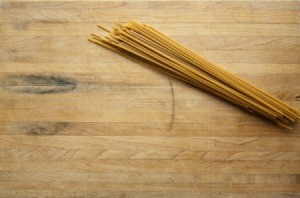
[163,53]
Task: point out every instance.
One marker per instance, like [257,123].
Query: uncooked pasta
[165,54]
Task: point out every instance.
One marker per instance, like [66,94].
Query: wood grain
[81,121]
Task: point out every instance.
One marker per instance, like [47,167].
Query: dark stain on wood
[297,179]
[38,84]
[46,128]
[20,26]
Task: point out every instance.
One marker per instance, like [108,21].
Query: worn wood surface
[80,121]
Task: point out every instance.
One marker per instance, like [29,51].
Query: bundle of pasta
[163,53]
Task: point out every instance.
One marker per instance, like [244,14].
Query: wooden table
[78,120]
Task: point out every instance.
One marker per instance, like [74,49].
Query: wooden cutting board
[78,120]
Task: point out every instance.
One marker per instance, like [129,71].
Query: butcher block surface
[78,120]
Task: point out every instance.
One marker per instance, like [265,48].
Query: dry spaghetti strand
[164,54]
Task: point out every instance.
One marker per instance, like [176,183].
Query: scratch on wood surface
[38,84]
[173,107]
[178,154]
[234,141]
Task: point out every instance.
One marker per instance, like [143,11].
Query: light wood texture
[78,120]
